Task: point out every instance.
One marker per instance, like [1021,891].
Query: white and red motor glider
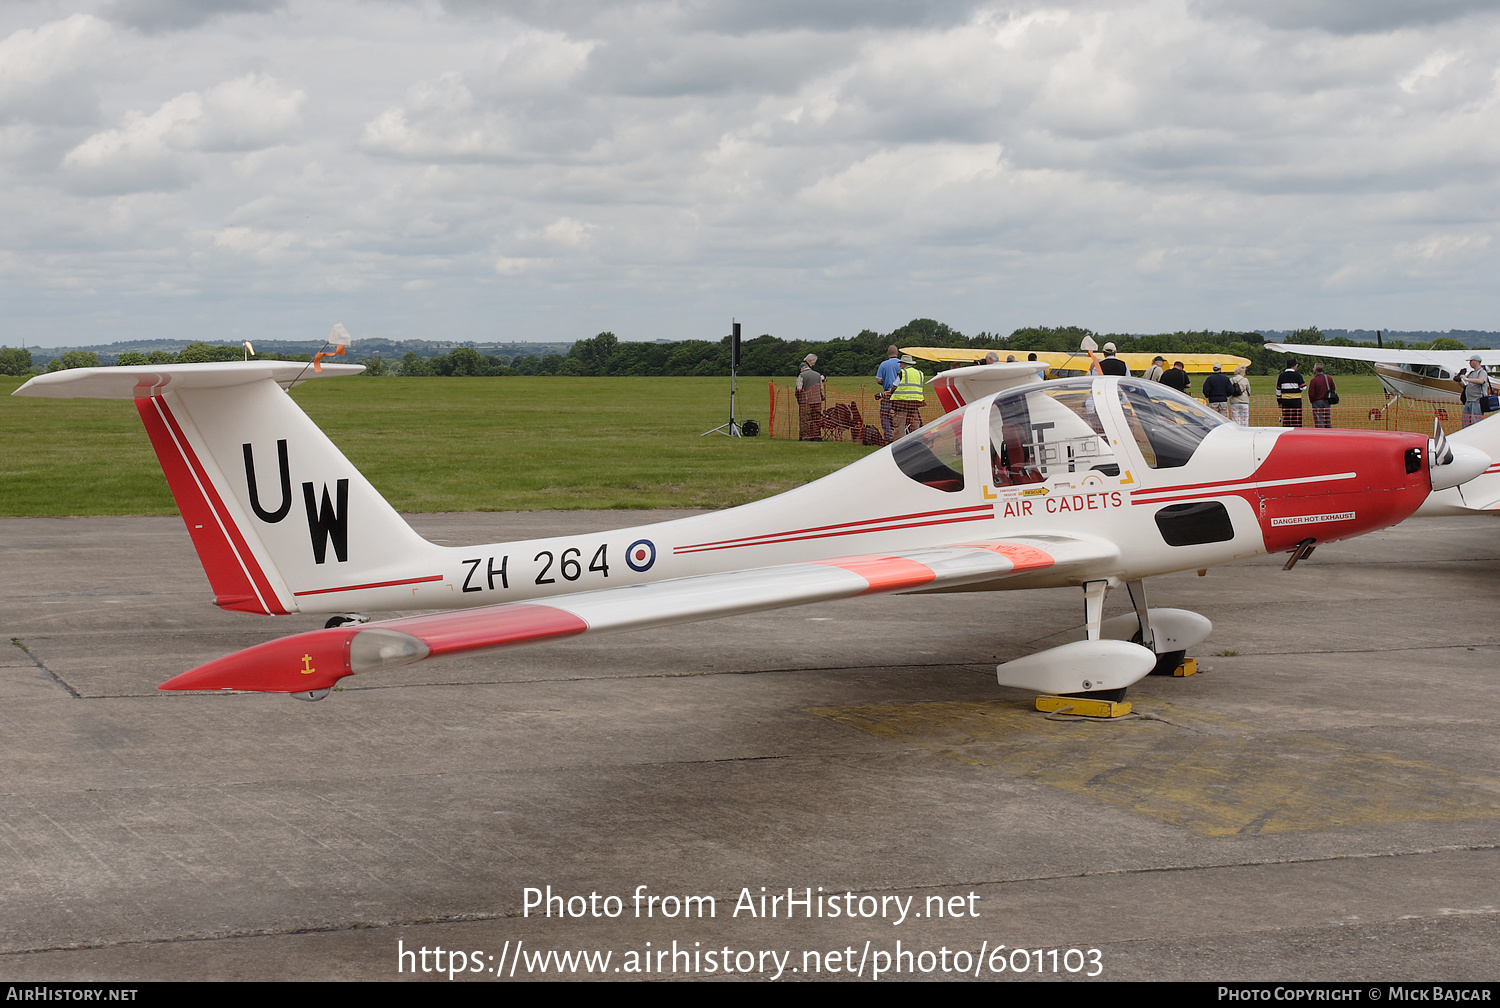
[1092,483]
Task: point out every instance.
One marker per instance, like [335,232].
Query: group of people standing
[1322,393]
[901,396]
[1228,394]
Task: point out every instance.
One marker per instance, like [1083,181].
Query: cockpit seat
[1015,459]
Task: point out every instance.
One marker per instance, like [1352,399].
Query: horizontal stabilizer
[146,381]
[960,386]
[319,658]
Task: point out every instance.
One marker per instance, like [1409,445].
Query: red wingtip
[307,661]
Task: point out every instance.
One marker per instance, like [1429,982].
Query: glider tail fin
[281,520]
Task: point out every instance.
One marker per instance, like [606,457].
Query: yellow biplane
[1062,363]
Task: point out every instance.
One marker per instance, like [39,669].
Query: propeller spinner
[1451,463]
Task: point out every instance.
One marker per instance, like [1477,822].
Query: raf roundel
[640,555]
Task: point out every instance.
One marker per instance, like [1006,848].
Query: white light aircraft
[1416,374]
[1092,482]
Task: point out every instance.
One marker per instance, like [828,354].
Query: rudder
[281,520]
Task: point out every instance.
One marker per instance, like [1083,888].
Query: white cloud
[138,155]
[49,74]
[157,151]
[1142,164]
[250,243]
[248,113]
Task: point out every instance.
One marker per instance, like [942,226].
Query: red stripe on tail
[233,572]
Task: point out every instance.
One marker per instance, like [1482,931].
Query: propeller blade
[1440,453]
[1088,345]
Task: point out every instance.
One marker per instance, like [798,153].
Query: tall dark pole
[731,429]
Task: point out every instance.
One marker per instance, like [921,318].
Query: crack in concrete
[41,665]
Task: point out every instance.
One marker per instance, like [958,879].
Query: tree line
[768,356]
[763,356]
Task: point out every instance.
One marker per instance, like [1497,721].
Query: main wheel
[1167,663]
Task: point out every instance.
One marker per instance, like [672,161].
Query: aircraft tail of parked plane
[233,444]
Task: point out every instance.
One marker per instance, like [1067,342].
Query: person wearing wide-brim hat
[907,397]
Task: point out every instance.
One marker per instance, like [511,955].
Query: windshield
[934,455]
[1168,426]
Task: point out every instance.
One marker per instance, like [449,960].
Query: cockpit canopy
[1045,429]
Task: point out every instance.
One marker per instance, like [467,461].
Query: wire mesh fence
[860,417]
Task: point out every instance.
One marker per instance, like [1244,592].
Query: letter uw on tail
[281,520]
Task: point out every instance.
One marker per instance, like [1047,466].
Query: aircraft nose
[1462,463]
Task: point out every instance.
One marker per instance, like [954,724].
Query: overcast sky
[548,169]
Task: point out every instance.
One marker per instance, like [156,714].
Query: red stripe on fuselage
[372,584]
[985,512]
[233,572]
[1301,478]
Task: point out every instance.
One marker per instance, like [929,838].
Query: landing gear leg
[1166,662]
[1094,593]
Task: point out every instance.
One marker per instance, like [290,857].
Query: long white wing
[318,659]
[1451,360]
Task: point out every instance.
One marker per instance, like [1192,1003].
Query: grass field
[444,444]
[1346,384]
[457,444]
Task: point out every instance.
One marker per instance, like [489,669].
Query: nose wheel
[344,619]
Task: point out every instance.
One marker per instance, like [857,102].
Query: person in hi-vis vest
[907,397]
